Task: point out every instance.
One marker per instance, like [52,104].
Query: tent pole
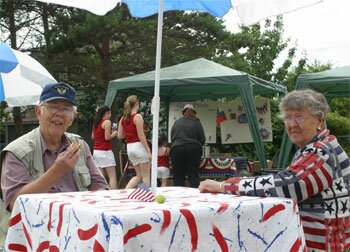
[246,92]
[156,101]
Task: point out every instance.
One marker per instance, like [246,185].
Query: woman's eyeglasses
[299,119]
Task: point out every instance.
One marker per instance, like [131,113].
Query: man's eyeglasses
[54,110]
[299,119]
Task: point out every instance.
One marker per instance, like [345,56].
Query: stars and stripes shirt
[319,180]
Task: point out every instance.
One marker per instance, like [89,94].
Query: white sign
[206,112]
[232,118]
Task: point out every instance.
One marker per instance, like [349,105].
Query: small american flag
[220,116]
[143,193]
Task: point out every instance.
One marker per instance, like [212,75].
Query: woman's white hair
[315,102]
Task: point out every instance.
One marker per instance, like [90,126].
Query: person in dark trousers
[187,140]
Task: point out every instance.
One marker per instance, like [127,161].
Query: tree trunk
[45,19]
[17,117]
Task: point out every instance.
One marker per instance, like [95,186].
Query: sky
[322,30]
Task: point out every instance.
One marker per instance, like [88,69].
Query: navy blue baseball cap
[58,91]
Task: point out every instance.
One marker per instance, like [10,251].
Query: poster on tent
[206,112]
[233,121]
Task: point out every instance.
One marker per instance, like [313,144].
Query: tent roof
[332,83]
[193,80]
[197,80]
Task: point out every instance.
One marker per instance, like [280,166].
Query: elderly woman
[318,178]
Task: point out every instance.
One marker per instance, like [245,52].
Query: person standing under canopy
[187,140]
[131,127]
[163,170]
[318,178]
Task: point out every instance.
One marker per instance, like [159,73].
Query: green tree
[254,50]
[17,23]
[88,50]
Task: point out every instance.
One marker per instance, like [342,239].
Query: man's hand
[64,163]
[67,160]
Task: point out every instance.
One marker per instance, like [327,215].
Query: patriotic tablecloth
[187,221]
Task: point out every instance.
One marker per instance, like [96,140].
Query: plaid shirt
[319,180]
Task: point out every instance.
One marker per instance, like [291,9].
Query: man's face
[55,117]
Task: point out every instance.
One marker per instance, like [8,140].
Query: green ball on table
[160,198]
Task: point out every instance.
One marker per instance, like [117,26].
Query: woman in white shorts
[102,134]
[131,128]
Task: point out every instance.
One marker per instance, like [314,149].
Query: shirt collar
[64,144]
[321,135]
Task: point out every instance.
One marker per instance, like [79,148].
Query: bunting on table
[143,193]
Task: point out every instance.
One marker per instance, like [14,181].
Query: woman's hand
[114,134]
[209,185]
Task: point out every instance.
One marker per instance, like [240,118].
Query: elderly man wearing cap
[187,139]
[44,160]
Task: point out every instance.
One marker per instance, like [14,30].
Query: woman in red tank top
[102,134]
[163,171]
[131,128]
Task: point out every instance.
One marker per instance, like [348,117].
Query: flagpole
[156,101]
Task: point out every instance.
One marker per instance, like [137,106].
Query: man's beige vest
[28,149]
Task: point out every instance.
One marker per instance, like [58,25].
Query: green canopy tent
[331,83]
[197,80]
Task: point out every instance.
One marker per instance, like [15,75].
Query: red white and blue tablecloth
[187,221]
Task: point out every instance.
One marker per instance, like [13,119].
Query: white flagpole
[156,101]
